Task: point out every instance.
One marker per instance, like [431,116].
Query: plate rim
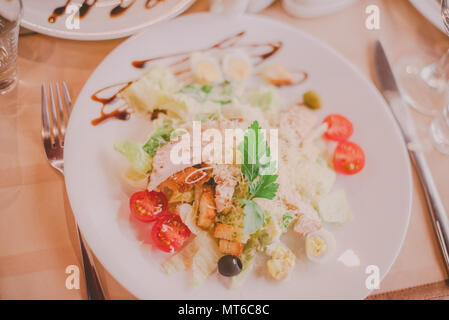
[104,257]
[180,7]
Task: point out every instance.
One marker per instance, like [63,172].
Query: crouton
[277,75]
[207,210]
[224,231]
[231,247]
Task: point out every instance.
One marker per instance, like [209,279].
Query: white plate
[380,196]
[431,9]
[97,23]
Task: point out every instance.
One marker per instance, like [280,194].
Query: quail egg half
[205,68]
[237,66]
[320,245]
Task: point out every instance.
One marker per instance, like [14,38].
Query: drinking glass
[10,14]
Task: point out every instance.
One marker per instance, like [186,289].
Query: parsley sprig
[259,169]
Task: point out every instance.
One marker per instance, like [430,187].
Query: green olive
[312,100]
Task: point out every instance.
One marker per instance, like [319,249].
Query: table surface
[37,234]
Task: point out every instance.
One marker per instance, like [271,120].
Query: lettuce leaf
[266,98]
[140,161]
[152,90]
[254,216]
[159,138]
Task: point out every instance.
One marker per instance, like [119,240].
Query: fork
[53,135]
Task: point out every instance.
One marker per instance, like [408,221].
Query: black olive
[229,266]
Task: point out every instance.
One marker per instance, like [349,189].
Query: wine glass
[424,84]
[439,129]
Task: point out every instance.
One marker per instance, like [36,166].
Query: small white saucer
[314,8]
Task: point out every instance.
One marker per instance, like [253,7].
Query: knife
[400,110]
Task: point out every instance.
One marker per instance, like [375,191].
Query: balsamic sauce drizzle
[119,113]
[267,50]
[57,12]
[224,44]
[156,112]
[85,7]
[121,8]
[88,4]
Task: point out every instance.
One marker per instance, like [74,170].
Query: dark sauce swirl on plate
[259,52]
[101,96]
[85,7]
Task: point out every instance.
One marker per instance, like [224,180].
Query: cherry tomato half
[349,158]
[147,206]
[169,233]
[339,128]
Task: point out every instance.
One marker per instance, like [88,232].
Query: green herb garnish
[286,220]
[206,88]
[257,165]
[258,168]
[223,101]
